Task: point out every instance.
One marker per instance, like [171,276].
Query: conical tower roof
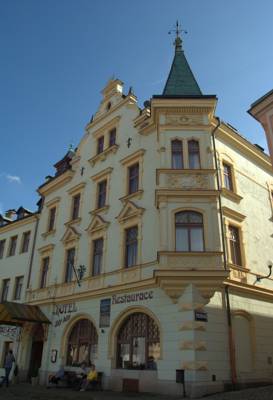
[181,81]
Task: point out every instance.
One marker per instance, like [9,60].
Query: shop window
[133,177]
[102,189]
[194,154]
[138,343]
[44,272]
[12,246]
[177,154]
[131,246]
[100,145]
[70,258]
[235,245]
[5,290]
[97,256]
[76,206]
[18,287]
[82,343]
[189,235]
[26,240]
[51,219]
[2,247]
[228,178]
[112,137]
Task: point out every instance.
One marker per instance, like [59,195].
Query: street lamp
[259,277]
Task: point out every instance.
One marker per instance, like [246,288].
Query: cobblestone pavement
[28,392]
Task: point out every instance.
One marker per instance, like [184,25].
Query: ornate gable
[130,210]
[97,224]
[71,235]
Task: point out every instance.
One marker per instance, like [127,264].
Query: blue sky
[57,55]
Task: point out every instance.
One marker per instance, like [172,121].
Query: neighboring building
[165,214]
[262,111]
[17,232]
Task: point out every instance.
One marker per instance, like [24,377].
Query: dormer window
[109,105]
[100,145]
[112,137]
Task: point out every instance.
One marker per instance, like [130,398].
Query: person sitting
[92,378]
[151,364]
[58,376]
[81,376]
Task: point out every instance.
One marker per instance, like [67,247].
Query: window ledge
[75,221]
[49,233]
[238,267]
[231,195]
[130,196]
[102,156]
[99,210]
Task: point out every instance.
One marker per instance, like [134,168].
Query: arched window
[177,154]
[194,155]
[138,343]
[82,343]
[189,231]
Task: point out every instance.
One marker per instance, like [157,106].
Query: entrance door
[35,358]
[7,346]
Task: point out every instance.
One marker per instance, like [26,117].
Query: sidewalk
[25,391]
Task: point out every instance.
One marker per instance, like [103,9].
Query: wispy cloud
[11,178]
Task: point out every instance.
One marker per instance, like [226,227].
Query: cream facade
[153,246]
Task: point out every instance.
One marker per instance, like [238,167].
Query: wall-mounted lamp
[79,272]
[102,331]
[259,277]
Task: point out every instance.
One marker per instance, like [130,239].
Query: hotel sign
[63,311]
[131,298]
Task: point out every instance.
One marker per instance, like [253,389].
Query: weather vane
[177,30]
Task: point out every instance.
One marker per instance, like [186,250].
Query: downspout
[229,321]
[33,250]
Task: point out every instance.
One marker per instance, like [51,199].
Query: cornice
[18,223]
[56,183]
[101,174]
[46,249]
[229,194]
[229,213]
[132,157]
[256,291]
[102,156]
[106,127]
[52,202]
[76,189]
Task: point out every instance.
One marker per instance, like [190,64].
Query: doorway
[36,351]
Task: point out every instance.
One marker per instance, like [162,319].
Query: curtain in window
[194,155]
[177,154]
[189,231]
[131,246]
[97,256]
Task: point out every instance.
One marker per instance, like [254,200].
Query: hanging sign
[105,312]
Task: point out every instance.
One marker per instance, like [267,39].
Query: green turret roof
[181,81]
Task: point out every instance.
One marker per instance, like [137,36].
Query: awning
[16,314]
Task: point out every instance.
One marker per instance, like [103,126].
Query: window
[82,343]
[70,258]
[100,145]
[227,171]
[2,247]
[76,206]
[112,137]
[26,240]
[138,343]
[12,247]
[194,155]
[5,290]
[234,245]
[44,272]
[97,256]
[18,287]
[189,231]
[102,188]
[177,154]
[133,174]
[51,219]
[131,246]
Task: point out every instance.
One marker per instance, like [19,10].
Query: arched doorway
[243,343]
[36,350]
[82,343]
[138,342]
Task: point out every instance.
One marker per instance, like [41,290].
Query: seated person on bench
[58,376]
[92,378]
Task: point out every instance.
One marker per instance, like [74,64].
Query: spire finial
[178,41]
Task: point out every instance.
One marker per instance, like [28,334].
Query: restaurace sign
[129,298]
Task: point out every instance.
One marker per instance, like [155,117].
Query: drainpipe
[229,320]
[33,249]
